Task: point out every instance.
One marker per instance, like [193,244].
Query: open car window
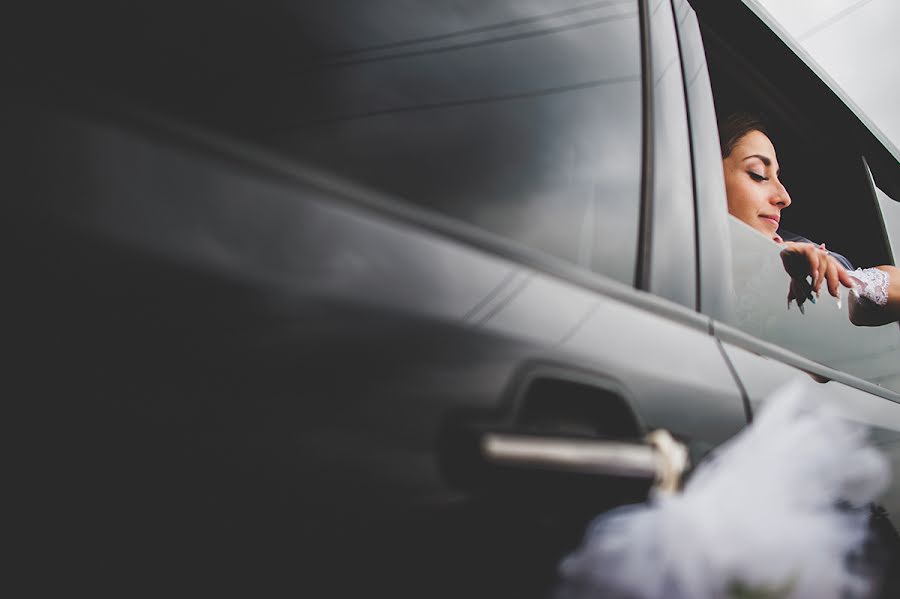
[820,145]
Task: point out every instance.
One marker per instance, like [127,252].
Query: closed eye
[757,176]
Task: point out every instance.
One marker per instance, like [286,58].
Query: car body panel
[761,376]
[266,366]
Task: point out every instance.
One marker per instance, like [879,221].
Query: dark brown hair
[735,126]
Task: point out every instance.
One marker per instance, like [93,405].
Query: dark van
[275,269]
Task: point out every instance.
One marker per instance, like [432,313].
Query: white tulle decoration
[774,513]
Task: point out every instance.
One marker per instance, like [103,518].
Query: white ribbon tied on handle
[774,513]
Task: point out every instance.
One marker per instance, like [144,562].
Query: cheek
[740,202]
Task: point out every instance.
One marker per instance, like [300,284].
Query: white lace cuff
[873,286]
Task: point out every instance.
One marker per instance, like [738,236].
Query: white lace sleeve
[873,286]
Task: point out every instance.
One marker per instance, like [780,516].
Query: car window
[521,118]
[818,149]
[890,214]
[822,333]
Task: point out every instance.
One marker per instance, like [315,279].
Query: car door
[244,344]
[767,344]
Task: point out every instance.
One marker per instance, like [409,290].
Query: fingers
[801,291]
[832,276]
[829,271]
[809,266]
[814,269]
[834,283]
[798,294]
[821,269]
[812,259]
[846,279]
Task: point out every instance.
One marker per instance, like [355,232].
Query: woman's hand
[802,260]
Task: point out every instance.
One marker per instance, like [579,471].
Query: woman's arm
[875,296]
[874,292]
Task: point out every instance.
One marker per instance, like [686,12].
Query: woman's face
[755,195]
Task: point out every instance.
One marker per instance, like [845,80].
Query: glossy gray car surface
[258,301]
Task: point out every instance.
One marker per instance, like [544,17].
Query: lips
[772,218]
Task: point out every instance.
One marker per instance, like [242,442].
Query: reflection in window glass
[824,333]
[672,260]
[521,117]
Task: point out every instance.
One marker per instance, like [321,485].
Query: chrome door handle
[658,457]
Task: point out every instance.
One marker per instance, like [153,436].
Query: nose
[781,198]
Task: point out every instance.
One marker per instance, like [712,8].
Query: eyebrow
[765,160]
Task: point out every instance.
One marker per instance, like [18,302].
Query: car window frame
[667,246]
[711,285]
